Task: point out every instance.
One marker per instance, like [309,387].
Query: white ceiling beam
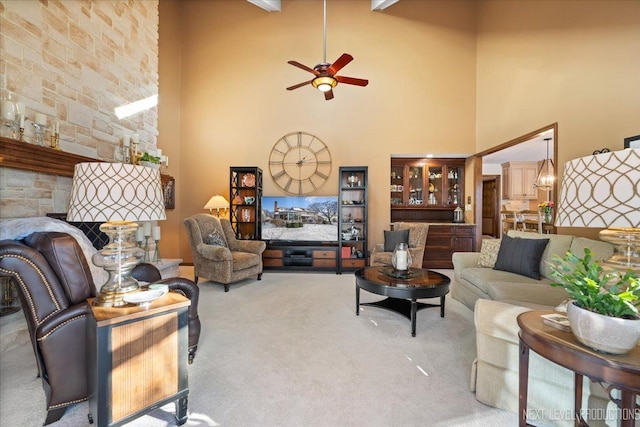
[268,5]
[382,4]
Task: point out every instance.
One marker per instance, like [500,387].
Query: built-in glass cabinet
[426,189]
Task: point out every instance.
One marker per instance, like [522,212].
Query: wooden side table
[620,371]
[138,360]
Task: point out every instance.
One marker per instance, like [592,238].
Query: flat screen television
[300,219]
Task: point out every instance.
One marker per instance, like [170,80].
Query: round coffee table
[402,290]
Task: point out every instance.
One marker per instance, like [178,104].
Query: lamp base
[626,251]
[110,299]
[118,258]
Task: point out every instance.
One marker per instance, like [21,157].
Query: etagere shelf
[352,217]
[245,191]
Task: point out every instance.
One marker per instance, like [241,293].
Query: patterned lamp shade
[117,195]
[115,192]
[601,191]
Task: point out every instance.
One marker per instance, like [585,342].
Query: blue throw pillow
[521,256]
[215,239]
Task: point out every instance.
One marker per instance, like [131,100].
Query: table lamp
[117,194]
[217,202]
[603,190]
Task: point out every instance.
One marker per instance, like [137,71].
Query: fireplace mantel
[35,158]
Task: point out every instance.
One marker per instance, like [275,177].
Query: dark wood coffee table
[402,290]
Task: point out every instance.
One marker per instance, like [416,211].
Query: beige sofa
[474,282]
[497,298]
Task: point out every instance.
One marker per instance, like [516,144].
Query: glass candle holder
[401,258]
[40,131]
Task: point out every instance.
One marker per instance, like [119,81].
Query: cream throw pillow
[489,252]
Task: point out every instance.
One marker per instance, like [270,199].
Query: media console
[317,257]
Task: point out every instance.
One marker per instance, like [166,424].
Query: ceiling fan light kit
[326,78]
[324,83]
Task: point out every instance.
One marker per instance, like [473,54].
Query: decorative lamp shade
[103,192]
[217,202]
[601,190]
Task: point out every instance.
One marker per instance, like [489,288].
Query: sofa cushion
[515,288]
[489,252]
[558,244]
[392,238]
[600,250]
[521,256]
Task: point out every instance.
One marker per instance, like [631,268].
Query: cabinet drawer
[272,253]
[324,254]
[353,263]
[324,262]
[438,256]
[441,230]
[272,262]
[465,231]
[439,242]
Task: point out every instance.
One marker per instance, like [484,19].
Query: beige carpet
[290,351]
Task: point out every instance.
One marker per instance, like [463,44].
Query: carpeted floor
[290,351]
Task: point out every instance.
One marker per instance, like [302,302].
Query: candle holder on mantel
[146,257]
[40,131]
[55,141]
[156,253]
[14,127]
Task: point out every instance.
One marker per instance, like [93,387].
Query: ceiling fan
[325,73]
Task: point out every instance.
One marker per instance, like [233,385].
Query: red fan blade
[339,63]
[299,85]
[304,67]
[351,80]
[328,95]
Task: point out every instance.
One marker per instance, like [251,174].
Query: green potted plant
[603,313]
[150,160]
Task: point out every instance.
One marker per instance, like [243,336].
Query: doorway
[532,146]
[490,206]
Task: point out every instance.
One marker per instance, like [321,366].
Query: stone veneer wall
[75,61]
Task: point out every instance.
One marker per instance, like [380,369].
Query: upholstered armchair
[54,282]
[217,255]
[417,242]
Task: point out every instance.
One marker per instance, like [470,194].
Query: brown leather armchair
[54,281]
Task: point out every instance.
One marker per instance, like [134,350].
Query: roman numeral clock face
[299,163]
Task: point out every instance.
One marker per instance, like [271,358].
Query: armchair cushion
[392,238]
[215,253]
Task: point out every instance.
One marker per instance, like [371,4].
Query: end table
[620,371]
[138,360]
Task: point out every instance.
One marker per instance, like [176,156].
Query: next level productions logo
[589,414]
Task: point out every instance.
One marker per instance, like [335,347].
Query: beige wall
[169,121]
[419,58]
[572,62]
[223,77]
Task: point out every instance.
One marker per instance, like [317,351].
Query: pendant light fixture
[546,173]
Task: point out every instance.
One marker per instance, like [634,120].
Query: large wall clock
[299,163]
